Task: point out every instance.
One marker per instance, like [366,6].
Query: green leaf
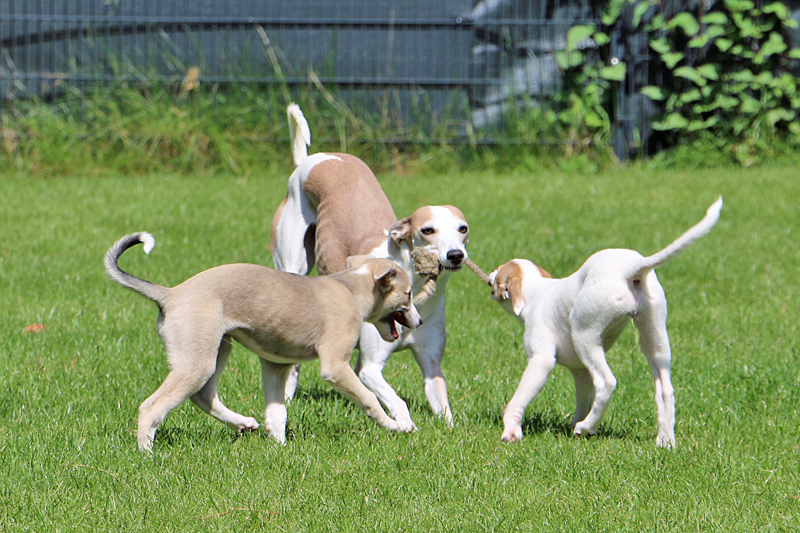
[673,121]
[691,74]
[779,9]
[739,5]
[661,45]
[717,17]
[601,38]
[638,12]
[614,72]
[579,33]
[612,11]
[777,115]
[712,32]
[672,58]
[567,60]
[697,125]
[774,45]
[653,92]
[686,22]
[794,53]
[749,105]
[723,44]
[745,75]
[709,71]
[764,78]
[690,96]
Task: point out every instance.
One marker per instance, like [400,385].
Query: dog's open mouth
[392,320]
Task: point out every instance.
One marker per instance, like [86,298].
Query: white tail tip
[148,241]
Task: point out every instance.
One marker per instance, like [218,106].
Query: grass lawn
[69,393]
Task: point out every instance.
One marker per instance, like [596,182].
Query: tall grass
[69,392]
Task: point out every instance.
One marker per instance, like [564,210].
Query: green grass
[69,395]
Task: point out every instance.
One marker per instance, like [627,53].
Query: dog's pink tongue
[393,325]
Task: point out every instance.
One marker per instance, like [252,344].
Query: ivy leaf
[661,45]
[778,9]
[567,60]
[723,44]
[697,125]
[686,22]
[690,96]
[614,72]
[709,71]
[781,114]
[717,17]
[774,45]
[673,121]
[653,92]
[579,33]
[672,58]
[745,75]
[601,38]
[749,106]
[739,5]
[612,11]
[638,12]
[794,53]
[712,32]
[691,74]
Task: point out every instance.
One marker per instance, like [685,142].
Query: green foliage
[728,78]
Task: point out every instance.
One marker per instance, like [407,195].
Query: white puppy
[573,321]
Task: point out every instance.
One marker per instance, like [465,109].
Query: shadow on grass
[538,422]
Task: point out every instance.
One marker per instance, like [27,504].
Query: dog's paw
[245,425]
[405,425]
[512,434]
[665,441]
[583,430]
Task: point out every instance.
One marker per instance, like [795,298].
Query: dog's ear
[357,260]
[508,288]
[385,273]
[401,231]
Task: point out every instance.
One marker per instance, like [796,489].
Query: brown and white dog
[335,208]
[283,318]
[573,322]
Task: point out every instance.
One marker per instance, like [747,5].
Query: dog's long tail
[681,243]
[299,133]
[146,288]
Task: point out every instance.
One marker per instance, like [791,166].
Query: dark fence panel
[471,60]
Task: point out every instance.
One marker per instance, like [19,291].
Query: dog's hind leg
[654,341]
[273,380]
[584,394]
[180,383]
[208,400]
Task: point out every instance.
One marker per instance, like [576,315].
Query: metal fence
[469,60]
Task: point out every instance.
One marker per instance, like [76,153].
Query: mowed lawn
[70,388]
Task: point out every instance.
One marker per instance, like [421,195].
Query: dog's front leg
[372,357]
[428,349]
[336,371]
[273,380]
[540,364]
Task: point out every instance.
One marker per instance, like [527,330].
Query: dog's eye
[463,229]
[427,231]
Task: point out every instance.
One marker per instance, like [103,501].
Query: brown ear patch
[401,231]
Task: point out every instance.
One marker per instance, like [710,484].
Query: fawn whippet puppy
[283,318]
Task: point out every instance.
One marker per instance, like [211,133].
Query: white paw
[405,424]
[583,429]
[512,434]
[665,441]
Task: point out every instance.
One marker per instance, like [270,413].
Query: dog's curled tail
[681,243]
[146,288]
[299,133]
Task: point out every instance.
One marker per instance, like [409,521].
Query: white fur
[574,320]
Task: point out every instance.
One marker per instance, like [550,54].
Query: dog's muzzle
[455,258]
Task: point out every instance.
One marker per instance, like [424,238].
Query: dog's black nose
[455,256]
